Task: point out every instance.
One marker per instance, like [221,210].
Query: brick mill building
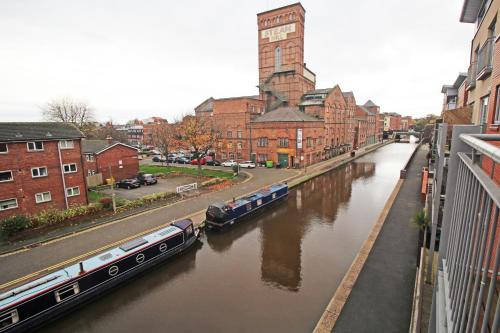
[290,121]
[111,159]
[41,167]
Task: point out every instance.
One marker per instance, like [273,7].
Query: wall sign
[278,33]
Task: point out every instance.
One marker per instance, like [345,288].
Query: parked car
[128,183]
[229,163]
[182,160]
[159,158]
[146,179]
[247,164]
[213,162]
[203,161]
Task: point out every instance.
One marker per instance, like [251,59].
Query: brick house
[148,128]
[111,159]
[288,136]
[41,167]
[365,129]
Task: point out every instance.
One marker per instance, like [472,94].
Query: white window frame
[38,168]
[72,190]
[496,118]
[69,167]
[63,144]
[12,314]
[13,207]
[43,198]
[89,157]
[483,106]
[11,176]
[90,172]
[34,146]
[74,288]
[6,147]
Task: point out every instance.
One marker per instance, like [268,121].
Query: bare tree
[69,111]
[197,134]
[164,137]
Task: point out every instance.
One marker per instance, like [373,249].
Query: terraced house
[41,167]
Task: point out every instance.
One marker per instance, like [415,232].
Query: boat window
[189,230]
[274,195]
[8,318]
[249,206]
[66,292]
[259,202]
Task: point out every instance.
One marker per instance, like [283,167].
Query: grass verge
[157,169]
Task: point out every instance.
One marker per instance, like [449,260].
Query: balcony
[471,75]
[484,57]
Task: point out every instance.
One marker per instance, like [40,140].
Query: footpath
[376,293]
[31,260]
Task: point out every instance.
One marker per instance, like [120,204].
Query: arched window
[277,59]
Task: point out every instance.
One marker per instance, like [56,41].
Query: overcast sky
[134,59]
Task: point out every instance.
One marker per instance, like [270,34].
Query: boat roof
[254,196]
[67,273]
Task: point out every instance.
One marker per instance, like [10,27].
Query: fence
[94,180]
[466,295]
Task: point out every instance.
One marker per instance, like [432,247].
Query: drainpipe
[83,161]
[62,175]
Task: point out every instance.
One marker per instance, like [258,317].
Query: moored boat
[221,215]
[30,305]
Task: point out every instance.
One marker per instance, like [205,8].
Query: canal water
[276,272]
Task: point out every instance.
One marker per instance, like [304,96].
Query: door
[283,160]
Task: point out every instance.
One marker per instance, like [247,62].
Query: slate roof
[284,113]
[206,106]
[364,109]
[370,104]
[348,93]
[25,131]
[319,91]
[93,146]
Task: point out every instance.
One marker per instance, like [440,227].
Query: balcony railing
[467,294]
[471,75]
[484,58]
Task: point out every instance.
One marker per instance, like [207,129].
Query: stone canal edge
[197,217]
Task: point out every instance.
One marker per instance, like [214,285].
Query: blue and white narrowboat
[30,305]
[221,215]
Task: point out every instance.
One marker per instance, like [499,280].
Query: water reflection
[281,256]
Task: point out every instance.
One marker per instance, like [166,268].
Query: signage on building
[278,33]
[299,138]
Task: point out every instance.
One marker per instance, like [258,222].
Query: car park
[146,179]
[203,161]
[247,164]
[229,163]
[182,160]
[128,183]
[213,162]
[159,158]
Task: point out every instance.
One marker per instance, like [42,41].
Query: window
[8,318]
[496,120]
[230,145]
[262,157]
[66,292]
[309,142]
[239,145]
[66,144]
[277,59]
[38,172]
[239,155]
[89,157]
[8,204]
[262,142]
[223,156]
[239,134]
[90,172]
[484,110]
[42,197]
[231,156]
[3,148]
[6,176]
[69,168]
[35,145]
[72,191]
[229,134]
[282,142]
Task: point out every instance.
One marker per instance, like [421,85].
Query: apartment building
[41,167]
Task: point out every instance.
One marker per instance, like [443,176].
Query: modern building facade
[41,167]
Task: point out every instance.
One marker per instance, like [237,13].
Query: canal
[275,272]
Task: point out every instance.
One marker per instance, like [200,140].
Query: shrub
[106,202]
[14,224]
[235,168]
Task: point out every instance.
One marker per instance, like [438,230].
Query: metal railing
[484,57]
[468,283]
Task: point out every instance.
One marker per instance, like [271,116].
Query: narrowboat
[30,305]
[221,215]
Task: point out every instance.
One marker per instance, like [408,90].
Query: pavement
[381,299]
[28,263]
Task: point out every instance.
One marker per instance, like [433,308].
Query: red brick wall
[24,186]
[127,168]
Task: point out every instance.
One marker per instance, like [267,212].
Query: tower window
[277,59]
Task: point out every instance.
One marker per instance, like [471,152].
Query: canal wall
[372,259]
